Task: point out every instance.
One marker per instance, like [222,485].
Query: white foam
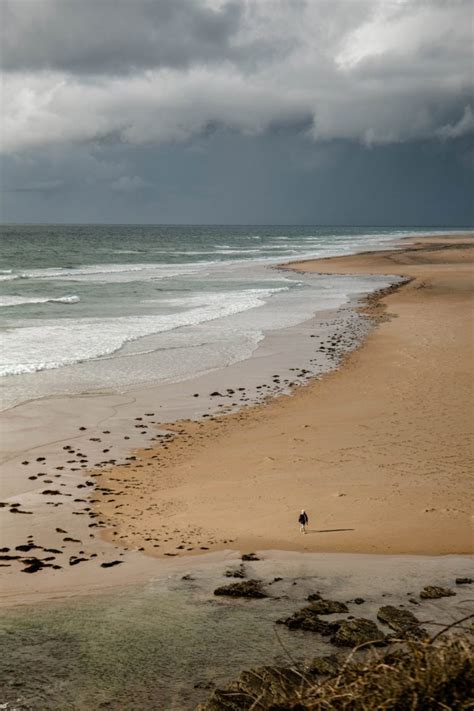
[228,250]
[65,300]
[21,300]
[7,275]
[113,272]
[53,344]
[209,298]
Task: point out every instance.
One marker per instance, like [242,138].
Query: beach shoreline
[384,507]
[265,446]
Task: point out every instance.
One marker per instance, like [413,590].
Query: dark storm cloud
[128,107]
[281,177]
[148,72]
[114,36]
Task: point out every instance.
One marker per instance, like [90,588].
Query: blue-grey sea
[189,298]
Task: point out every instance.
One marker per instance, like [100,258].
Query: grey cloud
[36,186]
[464,126]
[279,177]
[129,183]
[114,36]
[151,73]
[56,169]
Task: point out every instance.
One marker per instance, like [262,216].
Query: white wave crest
[73,299]
[209,298]
[57,343]
[113,272]
[21,300]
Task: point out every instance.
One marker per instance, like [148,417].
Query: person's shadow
[328,530]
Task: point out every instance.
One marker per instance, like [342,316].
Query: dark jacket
[303,519]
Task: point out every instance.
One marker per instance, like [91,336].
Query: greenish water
[156,645]
[136,649]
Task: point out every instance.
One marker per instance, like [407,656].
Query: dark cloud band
[114,36]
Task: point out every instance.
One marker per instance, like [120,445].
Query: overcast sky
[238,111]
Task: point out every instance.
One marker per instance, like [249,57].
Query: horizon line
[237,224]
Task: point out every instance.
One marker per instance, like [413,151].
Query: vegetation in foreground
[413,676]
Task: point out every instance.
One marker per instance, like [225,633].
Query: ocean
[120,305]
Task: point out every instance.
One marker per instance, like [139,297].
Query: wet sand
[378,452]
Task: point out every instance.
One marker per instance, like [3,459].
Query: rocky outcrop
[308,619]
[248,588]
[269,683]
[434,592]
[403,622]
[327,607]
[236,572]
[250,556]
[352,633]
[240,694]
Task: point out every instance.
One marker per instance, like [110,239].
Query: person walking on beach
[303,520]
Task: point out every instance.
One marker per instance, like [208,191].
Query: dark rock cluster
[353,633]
[434,592]
[343,633]
[328,607]
[401,621]
[236,572]
[247,588]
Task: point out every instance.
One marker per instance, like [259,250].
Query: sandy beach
[127,555]
[379,452]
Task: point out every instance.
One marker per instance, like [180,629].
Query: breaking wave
[21,300]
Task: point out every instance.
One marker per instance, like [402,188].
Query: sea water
[118,305]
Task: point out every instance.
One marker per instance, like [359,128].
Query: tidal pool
[163,643]
[140,648]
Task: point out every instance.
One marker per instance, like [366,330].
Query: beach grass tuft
[426,674]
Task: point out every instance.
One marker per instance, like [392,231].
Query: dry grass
[415,675]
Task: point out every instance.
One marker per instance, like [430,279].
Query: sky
[237,111]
